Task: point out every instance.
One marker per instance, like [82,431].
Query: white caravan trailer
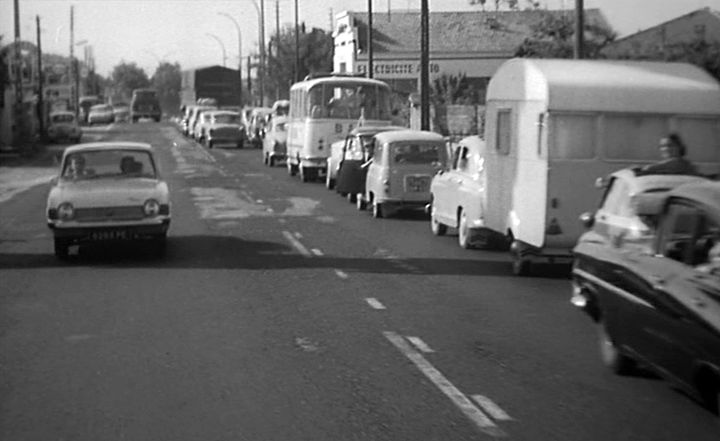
[554,126]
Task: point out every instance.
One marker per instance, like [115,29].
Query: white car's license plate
[109,235]
[417,183]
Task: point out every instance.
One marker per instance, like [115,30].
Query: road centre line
[491,408]
[341,274]
[421,345]
[317,252]
[374,303]
[482,421]
[296,243]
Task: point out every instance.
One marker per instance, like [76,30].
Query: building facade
[700,25]
[471,43]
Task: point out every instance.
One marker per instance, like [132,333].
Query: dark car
[348,157]
[145,104]
[660,305]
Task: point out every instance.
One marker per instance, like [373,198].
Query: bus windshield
[349,100]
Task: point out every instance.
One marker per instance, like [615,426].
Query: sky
[193,32]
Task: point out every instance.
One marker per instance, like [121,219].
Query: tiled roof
[467,31]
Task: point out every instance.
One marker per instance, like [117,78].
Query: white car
[108,192]
[101,114]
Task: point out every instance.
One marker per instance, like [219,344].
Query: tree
[553,37]
[128,76]
[315,53]
[167,81]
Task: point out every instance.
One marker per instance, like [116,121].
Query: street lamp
[237,26]
[261,25]
[222,46]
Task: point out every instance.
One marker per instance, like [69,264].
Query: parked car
[256,124]
[344,165]
[400,171]
[108,191]
[223,127]
[121,111]
[659,306]
[145,104]
[195,113]
[275,141]
[616,218]
[64,126]
[459,197]
[202,120]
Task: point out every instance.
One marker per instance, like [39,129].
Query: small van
[401,168]
[554,126]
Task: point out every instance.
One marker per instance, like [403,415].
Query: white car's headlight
[65,211]
[151,208]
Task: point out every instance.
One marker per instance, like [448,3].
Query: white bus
[324,110]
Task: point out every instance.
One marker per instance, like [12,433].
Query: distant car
[660,305]
[193,119]
[85,103]
[145,104]
[223,128]
[275,140]
[64,126]
[345,170]
[401,169]
[256,124]
[101,114]
[121,112]
[107,192]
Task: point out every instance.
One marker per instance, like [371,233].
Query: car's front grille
[99,214]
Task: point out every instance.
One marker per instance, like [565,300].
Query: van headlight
[65,211]
[151,208]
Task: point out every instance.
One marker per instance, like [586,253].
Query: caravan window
[701,136]
[503,131]
[572,136]
[634,137]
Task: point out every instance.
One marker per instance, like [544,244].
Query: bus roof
[608,85]
[308,84]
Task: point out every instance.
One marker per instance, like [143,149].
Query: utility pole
[249,67]
[18,117]
[424,66]
[297,44]
[73,65]
[370,68]
[41,102]
[277,45]
[579,52]
[261,71]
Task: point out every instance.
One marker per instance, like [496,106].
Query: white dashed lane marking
[374,303]
[296,244]
[421,345]
[341,274]
[317,252]
[482,421]
[491,408]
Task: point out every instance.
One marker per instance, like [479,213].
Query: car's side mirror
[54,180]
[601,182]
[587,219]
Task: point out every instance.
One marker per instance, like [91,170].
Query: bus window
[701,137]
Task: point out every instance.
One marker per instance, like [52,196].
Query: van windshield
[415,153]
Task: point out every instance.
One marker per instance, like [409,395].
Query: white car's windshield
[108,164]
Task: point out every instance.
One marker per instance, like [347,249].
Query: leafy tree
[167,81]
[553,37]
[128,76]
[315,53]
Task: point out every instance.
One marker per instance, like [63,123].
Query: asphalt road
[280,312]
